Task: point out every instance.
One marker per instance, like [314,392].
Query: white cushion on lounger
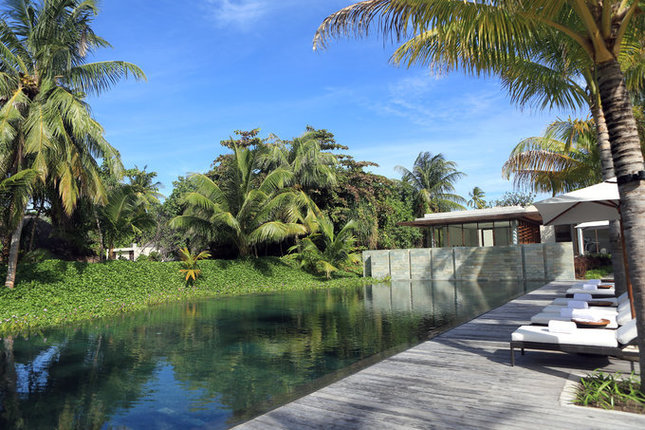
[604,310]
[627,333]
[543,318]
[563,301]
[582,336]
[610,292]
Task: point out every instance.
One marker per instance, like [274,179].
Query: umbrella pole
[628,279]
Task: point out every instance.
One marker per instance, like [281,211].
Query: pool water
[216,363]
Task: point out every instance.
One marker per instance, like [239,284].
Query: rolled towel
[589,287]
[583,297]
[577,304]
[584,314]
[566,312]
[567,327]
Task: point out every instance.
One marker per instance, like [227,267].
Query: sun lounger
[610,310]
[609,292]
[543,318]
[623,298]
[579,340]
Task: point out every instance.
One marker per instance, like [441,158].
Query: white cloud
[238,13]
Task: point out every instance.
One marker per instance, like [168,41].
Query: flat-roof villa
[492,243]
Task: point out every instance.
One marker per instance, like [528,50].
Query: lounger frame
[576,349]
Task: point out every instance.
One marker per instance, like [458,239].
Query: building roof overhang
[508,213]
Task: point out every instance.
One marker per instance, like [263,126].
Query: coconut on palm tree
[45,123]
[433,177]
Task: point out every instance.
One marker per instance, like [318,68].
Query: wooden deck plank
[460,379]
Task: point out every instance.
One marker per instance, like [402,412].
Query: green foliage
[189,264]
[243,206]
[566,158]
[124,218]
[599,273]
[609,391]
[56,292]
[37,256]
[477,201]
[434,177]
[155,256]
[324,251]
[515,198]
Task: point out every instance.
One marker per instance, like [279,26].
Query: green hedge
[56,292]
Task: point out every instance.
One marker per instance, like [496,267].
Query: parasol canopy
[598,202]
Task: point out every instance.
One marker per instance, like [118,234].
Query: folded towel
[593,281]
[589,287]
[584,314]
[566,312]
[583,297]
[577,304]
[562,326]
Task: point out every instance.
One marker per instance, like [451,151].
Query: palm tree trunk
[100,232]
[607,165]
[14,248]
[628,164]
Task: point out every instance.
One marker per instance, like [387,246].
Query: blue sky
[214,66]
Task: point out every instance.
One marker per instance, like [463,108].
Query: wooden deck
[460,379]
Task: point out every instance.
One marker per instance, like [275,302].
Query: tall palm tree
[247,208]
[600,29]
[45,123]
[566,158]
[434,179]
[477,197]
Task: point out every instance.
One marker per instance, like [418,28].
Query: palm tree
[434,177]
[326,251]
[123,216]
[599,29]
[247,208]
[566,158]
[45,123]
[477,196]
[143,185]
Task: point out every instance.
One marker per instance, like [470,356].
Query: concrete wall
[535,262]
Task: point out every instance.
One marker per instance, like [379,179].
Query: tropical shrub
[325,251]
[189,264]
[608,391]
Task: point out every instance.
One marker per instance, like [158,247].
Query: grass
[608,391]
[55,292]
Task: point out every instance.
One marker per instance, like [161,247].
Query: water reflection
[215,363]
